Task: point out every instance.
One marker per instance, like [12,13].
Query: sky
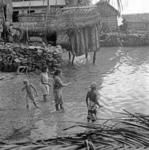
[133,6]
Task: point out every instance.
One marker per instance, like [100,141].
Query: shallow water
[122,76]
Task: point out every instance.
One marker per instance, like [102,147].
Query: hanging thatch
[78,17]
[68,18]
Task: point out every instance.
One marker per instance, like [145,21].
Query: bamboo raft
[129,132]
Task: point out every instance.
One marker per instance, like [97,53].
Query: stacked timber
[32,57]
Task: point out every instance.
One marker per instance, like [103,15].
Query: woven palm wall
[9,9]
[77,17]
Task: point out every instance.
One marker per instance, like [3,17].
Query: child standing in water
[92,103]
[57,90]
[28,87]
[45,83]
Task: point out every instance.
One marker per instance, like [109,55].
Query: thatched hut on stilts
[81,24]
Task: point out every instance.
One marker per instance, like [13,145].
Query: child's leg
[33,100]
[61,106]
[89,116]
[45,98]
[94,115]
[56,107]
[60,100]
[34,103]
[27,105]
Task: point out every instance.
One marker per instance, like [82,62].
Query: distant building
[35,6]
[109,16]
[137,22]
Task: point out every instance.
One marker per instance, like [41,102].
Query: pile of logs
[12,56]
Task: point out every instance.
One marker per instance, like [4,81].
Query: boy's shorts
[92,114]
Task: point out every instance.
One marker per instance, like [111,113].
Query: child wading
[45,83]
[92,103]
[57,89]
[28,87]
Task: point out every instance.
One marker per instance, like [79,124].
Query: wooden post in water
[96,43]
[94,57]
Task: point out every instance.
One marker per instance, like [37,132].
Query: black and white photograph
[74,74]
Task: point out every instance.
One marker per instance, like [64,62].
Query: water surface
[122,76]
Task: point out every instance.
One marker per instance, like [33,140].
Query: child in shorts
[92,103]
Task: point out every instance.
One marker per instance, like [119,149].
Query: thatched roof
[78,17]
[68,18]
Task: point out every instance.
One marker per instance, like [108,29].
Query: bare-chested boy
[92,103]
[28,87]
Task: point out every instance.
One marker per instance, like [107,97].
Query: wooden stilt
[94,57]
[69,55]
[73,59]
[86,55]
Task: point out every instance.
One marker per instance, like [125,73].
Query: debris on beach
[128,132]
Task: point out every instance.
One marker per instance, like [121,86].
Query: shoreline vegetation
[131,131]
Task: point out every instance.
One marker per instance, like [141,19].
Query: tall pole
[46,19]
